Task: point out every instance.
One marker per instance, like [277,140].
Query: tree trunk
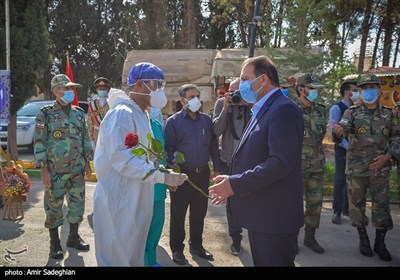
[388,22]
[191,24]
[12,137]
[278,27]
[378,35]
[364,35]
[396,51]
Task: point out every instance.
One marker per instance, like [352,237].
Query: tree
[29,56]
[392,10]
[366,24]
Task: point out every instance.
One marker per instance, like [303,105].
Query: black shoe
[179,258]
[364,245]
[74,240]
[311,242]
[56,251]
[345,212]
[336,219]
[202,253]
[380,247]
[235,248]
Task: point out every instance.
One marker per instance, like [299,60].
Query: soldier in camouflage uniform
[313,159]
[374,138]
[63,151]
[98,108]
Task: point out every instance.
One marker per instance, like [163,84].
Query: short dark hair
[346,85]
[264,65]
[184,88]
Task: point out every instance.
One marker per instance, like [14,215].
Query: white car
[26,122]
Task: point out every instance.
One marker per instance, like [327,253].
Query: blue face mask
[102,93]
[285,91]
[312,95]
[369,95]
[68,96]
[247,94]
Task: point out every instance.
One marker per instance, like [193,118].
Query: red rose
[131,140]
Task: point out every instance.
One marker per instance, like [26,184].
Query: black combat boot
[310,242]
[56,251]
[380,247]
[365,247]
[74,240]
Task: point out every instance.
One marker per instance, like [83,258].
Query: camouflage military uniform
[96,115]
[370,135]
[62,145]
[313,161]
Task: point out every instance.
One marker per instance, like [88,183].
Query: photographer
[231,114]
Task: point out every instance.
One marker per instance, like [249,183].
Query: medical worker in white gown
[123,202]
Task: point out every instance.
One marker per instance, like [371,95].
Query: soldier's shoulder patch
[354,106]
[321,105]
[344,121]
[40,125]
[386,107]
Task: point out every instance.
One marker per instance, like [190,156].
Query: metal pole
[254,28]
[8,52]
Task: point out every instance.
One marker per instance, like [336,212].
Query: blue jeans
[235,231]
[340,201]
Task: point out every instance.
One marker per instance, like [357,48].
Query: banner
[68,72]
[5,92]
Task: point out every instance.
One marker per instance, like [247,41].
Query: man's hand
[227,101]
[215,174]
[88,170]
[174,179]
[221,190]
[46,177]
[379,162]
[337,129]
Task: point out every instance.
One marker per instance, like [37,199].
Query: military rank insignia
[362,131]
[57,134]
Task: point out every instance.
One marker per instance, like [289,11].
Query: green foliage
[138,152]
[29,48]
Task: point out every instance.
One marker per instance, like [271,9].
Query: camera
[235,97]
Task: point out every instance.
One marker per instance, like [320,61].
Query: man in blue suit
[265,189]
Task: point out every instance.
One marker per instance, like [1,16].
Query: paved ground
[340,241]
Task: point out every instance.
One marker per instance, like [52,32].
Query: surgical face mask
[247,94]
[355,96]
[369,95]
[68,96]
[157,97]
[102,93]
[285,91]
[312,95]
[193,104]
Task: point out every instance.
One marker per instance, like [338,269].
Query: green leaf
[157,164]
[179,158]
[149,174]
[164,156]
[156,146]
[138,152]
[177,168]
[149,139]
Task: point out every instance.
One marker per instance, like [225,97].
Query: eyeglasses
[155,83]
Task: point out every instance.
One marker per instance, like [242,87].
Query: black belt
[196,170]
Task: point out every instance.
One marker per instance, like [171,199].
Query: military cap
[101,81]
[284,83]
[309,80]
[63,80]
[365,79]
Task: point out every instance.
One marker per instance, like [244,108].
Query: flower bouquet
[155,151]
[16,182]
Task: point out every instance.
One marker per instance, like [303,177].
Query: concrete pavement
[340,241]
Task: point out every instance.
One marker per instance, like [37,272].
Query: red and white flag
[68,72]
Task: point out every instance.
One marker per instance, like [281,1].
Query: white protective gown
[123,202]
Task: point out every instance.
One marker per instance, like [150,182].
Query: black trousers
[272,249]
[184,197]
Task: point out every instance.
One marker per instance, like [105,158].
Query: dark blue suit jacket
[266,170]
